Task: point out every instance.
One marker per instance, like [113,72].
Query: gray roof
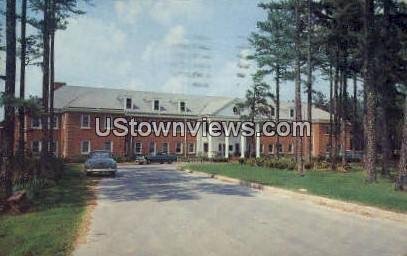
[113,100]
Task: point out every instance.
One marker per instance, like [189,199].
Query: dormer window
[182,106]
[291,112]
[129,103]
[236,111]
[273,111]
[156,105]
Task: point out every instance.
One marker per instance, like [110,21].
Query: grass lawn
[344,186]
[52,225]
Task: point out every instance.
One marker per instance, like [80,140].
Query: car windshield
[100,155]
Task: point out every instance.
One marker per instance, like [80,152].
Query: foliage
[343,186]
[52,226]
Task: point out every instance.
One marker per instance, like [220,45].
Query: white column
[242,145]
[226,146]
[257,142]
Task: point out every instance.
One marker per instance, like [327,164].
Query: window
[36,146]
[270,148]
[206,147]
[85,147]
[36,122]
[291,112]
[273,111]
[156,105]
[54,148]
[138,148]
[151,148]
[279,148]
[85,121]
[230,147]
[237,147]
[236,111]
[191,148]
[54,122]
[290,148]
[178,148]
[261,148]
[129,103]
[182,106]
[108,146]
[165,148]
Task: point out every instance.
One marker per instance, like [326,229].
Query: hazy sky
[154,44]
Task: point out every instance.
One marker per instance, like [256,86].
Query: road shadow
[161,184]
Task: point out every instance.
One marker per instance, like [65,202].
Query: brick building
[77,108]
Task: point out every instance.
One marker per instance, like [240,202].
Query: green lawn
[344,186]
[51,227]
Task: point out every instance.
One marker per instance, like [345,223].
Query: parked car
[161,158]
[140,160]
[100,162]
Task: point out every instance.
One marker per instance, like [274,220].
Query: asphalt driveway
[155,210]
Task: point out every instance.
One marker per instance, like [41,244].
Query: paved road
[155,210]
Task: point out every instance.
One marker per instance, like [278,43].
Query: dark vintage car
[100,162]
[161,158]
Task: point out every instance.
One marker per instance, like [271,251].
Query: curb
[343,206]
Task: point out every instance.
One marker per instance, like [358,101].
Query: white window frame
[141,148]
[159,105]
[155,148]
[168,147]
[89,147]
[292,148]
[56,122]
[125,103]
[176,147]
[191,152]
[36,127]
[293,113]
[272,149]
[55,149]
[82,118]
[39,146]
[111,145]
[185,106]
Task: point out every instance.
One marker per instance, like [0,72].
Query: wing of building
[77,109]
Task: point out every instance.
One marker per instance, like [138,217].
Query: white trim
[82,117]
[168,147]
[89,148]
[159,105]
[181,147]
[141,148]
[191,152]
[125,103]
[36,127]
[39,146]
[111,145]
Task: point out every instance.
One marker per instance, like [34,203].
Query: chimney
[58,85]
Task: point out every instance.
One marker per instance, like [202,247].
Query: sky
[177,46]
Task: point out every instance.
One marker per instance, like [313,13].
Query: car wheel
[87,173]
[169,162]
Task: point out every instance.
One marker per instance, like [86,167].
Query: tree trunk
[331,109]
[384,141]
[298,114]
[45,84]
[309,81]
[10,85]
[21,110]
[344,117]
[335,125]
[403,152]
[52,77]
[369,52]
[355,112]
[277,107]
